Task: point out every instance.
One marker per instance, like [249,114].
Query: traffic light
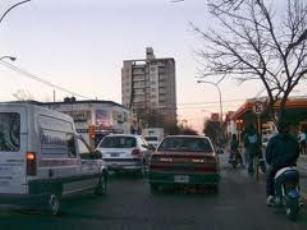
[239,124]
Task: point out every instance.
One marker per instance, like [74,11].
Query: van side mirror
[151,147]
[96,155]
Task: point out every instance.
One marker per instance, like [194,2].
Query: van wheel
[53,204]
[101,188]
[154,188]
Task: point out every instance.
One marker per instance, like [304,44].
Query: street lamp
[220,96]
[8,57]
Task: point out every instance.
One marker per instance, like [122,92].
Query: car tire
[54,204]
[215,189]
[154,188]
[101,188]
[141,172]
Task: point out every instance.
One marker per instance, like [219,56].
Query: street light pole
[11,8]
[8,57]
[220,96]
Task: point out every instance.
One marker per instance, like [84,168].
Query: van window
[57,144]
[51,123]
[9,132]
[82,147]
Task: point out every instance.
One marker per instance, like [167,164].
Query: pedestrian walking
[253,146]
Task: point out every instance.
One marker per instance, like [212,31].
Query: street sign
[258,107]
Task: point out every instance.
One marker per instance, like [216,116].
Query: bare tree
[258,40]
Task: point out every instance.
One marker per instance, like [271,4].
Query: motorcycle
[287,191]
[235,159]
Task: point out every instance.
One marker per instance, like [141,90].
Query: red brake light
[31,163]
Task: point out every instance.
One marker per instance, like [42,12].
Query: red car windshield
[184,144]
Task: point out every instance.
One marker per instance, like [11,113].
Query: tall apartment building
[150,85]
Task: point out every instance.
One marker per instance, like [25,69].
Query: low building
[295,113]
[95,118]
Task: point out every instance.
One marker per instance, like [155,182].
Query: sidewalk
[302,165]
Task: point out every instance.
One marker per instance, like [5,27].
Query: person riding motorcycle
[282,151]
[252,144]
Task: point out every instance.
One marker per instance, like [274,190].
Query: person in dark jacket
[234,150]
[282,151]
[253,145]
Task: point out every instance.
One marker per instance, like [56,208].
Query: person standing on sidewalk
[282,151]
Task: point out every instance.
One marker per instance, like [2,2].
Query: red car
[184,160]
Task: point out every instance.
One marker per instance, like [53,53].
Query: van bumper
[27,200]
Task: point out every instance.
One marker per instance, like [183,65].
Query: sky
[81,44]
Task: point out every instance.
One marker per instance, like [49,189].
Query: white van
[42,157]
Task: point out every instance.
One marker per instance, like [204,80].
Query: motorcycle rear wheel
[292,208]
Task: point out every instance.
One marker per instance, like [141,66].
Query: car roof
[122,135]
[188,136]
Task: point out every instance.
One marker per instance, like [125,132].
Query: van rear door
[13,145]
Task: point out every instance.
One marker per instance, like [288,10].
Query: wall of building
[105,117]
[150,84]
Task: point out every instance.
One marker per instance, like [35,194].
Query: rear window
[118,142]
[9,132]
[183,144]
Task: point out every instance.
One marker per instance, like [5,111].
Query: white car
[125,152]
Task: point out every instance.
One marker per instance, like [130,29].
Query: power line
[212,102]
[27,74]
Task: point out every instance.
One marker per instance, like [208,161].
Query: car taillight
[31,163]
[136,152]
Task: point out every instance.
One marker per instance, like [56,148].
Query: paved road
[129,205]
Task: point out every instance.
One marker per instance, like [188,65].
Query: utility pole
[54,95]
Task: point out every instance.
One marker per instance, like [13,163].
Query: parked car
[186,161]
[125,152]
[42,159]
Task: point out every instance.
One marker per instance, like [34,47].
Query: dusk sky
[80,45]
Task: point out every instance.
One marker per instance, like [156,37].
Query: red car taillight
[31,163]
[136,152]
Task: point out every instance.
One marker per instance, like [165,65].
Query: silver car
[125,152]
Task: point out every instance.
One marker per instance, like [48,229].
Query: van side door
[90,168]
[13,147]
